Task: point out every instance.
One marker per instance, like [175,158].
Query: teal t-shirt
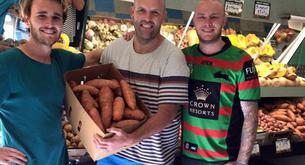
[31,100]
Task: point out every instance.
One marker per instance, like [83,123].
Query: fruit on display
[284,35]
[100,33]
[72,139]
[63,43]
[110,103]
[284,115]
[278,75]
[270,73]
[168,31]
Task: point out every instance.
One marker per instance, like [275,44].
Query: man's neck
[37,52]
[212,47]
[143,47]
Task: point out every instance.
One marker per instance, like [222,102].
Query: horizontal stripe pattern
[248,84]
[210,154]
[153,91]
[205,132]
[233,65]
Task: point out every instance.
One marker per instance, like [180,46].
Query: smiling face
[148,15]
[209,20]
[45,21]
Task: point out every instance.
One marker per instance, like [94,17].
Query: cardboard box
[78,117]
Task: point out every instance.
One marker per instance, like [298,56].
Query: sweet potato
[291,115]
[292,107]
[126,125]
[118,109]
[134,114]
[99,83]
[301,106]
[128,94]
[282,118]
[301,128]
[105,101]
[300,121]
[72,84]
[282,105]
[95,116]
[88,101]
[91,89]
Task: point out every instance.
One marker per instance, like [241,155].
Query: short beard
[46,42]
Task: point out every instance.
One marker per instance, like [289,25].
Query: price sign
[262,9]
[282,145]
[234,7]
[255,150]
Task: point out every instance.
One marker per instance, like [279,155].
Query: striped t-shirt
[213,122]
[159,77]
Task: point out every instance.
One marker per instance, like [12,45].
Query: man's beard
[212,40]
[146,36]
[37,36]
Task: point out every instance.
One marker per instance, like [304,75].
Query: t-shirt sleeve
[174,81]
[70,61]
[248,84]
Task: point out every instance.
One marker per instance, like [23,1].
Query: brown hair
[26,7]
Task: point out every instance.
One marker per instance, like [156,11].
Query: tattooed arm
[248,135]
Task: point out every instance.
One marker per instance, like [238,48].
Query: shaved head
[161,2]
[216,4]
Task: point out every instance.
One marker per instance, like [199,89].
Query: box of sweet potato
[98,98]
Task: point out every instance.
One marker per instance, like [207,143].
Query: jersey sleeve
[174,81]
[248,84]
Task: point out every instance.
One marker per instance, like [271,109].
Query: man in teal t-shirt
[219,126]
[32,89]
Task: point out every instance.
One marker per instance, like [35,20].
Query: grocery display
[72,138]
[100,32]
[283,115]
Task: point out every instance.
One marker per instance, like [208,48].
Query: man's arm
[93,57]
[153,125]
[248,135]
[78,4]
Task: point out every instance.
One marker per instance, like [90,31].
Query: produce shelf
[282,91]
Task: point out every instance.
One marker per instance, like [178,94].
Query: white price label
[262,9]
[255,150]
[282,145]
[233,7]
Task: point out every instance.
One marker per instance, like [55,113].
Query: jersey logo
[202,93]
[190,147]
[249,71]
[204,99]
[219,74]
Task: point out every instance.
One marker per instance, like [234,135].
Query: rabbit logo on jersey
[204,99]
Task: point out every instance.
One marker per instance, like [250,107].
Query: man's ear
[131,11]
[26,21]
[165,16]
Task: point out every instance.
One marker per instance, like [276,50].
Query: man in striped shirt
[158,74]
[219,126]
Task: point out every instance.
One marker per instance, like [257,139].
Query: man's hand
[3,48]
[128,36]
[118,140]
[10,155]
[234,163]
